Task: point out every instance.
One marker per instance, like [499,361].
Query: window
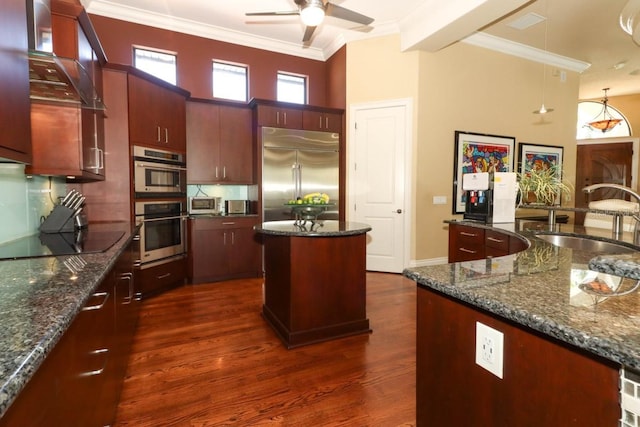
[159,64]
[230,81]
[292,88]
[588,110]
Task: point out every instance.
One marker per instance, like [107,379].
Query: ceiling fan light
[312,14]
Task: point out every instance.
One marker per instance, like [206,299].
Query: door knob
[399,211]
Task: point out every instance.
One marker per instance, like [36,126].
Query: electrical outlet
[489,349]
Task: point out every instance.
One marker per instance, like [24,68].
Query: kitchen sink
[584,243]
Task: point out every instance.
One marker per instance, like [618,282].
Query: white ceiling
[584,33]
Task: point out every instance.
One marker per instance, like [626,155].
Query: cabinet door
[321,121]
[280,117]
[173,120]
[15,138]
[244,256]
[203,142]
[236,145]
[465,243]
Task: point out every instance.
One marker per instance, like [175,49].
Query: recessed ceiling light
[619,65]
[526,21]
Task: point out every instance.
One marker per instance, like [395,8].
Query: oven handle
[165,218]
[160,167]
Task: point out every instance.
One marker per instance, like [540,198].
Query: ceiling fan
[312,12]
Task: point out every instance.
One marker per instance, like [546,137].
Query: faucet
[617,222]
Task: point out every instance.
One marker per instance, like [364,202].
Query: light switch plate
[439,200]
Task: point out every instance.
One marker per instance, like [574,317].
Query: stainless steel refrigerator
[295,163]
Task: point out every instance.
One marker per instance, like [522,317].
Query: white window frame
[283,97]
[227,96]
[154,72]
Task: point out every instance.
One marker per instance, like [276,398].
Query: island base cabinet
[545,383]
[315,287]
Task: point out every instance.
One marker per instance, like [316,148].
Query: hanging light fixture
[604,121]
[543,109]
[312,13]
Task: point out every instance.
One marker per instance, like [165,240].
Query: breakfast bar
[315,280]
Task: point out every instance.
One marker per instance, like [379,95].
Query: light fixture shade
[604,121]
[312,13]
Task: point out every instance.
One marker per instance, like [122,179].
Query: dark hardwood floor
[203,356]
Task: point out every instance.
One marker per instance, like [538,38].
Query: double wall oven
[160,188]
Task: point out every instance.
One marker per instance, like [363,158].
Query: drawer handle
[464,233]
[163,276]
[104,351]
[469,251]
[99,306]
[492,239]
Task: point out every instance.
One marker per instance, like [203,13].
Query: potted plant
[543,185]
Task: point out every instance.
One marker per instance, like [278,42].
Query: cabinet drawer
[223,223]
[466,243]
[161,277]
[496,240]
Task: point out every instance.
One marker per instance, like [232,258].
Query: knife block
[61,219]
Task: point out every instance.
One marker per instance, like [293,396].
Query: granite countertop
[540,288]
[39,298]
[319,228]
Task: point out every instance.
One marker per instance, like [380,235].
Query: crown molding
[527,52]
[143,17]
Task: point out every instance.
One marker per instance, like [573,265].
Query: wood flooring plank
[203,356]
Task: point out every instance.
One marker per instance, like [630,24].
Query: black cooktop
[56,244]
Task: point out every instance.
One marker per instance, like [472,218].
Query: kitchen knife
[66,198]
[73,194]
[77,203]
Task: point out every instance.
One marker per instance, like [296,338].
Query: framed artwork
[476,152]
[538,156]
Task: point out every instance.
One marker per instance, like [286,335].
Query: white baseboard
[427,262]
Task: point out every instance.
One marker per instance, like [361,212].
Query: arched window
[588,110]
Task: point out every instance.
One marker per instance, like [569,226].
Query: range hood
[64,80]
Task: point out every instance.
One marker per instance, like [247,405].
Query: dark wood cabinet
[76,149]
[157,113]
[279,116]
[468,243]
[154,279]
[220,144]
[80,380]
[544,382]
[324,121]
[15,138]
[223,248]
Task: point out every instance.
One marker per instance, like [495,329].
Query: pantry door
[379,180]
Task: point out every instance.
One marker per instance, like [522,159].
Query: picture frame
[540,156]
[478,152]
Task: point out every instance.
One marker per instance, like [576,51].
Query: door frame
[617,140]
[407,203]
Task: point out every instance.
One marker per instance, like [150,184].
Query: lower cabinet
[154,279]
[468,243]
[79,382]
[222,248]
[544,382]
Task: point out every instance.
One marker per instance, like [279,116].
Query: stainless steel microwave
[199,205]
[158,172]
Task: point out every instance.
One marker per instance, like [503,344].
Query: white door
[379,183]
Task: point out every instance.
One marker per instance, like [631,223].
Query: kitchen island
[564,347]
[39,300]
[315,280]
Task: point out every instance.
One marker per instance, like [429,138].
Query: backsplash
[227,192]
[25,201]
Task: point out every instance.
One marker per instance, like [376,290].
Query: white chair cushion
[598,220]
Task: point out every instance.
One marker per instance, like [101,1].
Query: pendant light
[604,121]
[543,109]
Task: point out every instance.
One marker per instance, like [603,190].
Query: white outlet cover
[490,349]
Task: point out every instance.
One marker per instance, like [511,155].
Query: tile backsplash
[25,201]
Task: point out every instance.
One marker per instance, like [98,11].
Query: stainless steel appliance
[162,236]
[159,173]
[234,207]
[204,205]
[297,162]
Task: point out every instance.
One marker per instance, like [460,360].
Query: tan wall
[463,88]
[629,106]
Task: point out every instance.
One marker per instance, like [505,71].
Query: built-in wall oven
[163,234]
[158,173]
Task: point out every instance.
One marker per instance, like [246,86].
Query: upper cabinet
[68,138]
[157,113]
[220,145]
[278,116]
[325,121]
[15,137]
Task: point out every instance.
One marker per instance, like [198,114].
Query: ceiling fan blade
[346,14]
[292,12]
[308,32]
